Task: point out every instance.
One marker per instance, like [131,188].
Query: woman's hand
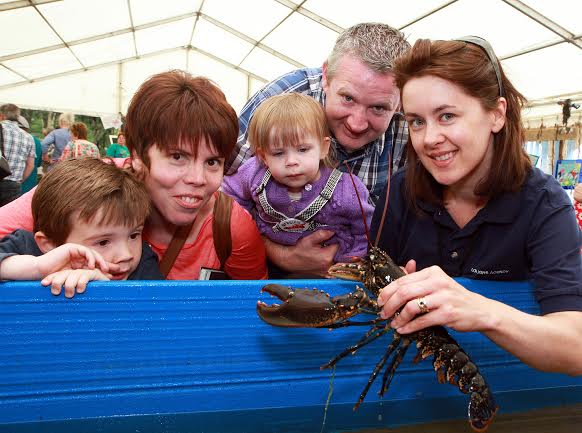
[448,302]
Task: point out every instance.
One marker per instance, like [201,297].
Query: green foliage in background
[40,120]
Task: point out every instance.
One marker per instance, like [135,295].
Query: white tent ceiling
[89,56]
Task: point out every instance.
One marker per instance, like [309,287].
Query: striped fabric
[18,147]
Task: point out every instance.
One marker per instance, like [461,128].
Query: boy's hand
[70,256]
[74,280]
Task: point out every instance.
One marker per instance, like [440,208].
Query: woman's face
[179,183]
[451,132]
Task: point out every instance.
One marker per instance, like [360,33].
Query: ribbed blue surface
[193,356]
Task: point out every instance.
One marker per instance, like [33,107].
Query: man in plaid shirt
[361,102]
[19,151]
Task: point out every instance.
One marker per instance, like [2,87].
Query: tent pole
[119,86]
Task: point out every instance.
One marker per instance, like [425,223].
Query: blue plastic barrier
[181,356]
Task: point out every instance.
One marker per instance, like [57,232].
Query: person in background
[79,146]
[119,149]
[91,231]
[19,151]
[59,138]
[356,88]
[469,204]
[31,181]
[290,185]
[179,131]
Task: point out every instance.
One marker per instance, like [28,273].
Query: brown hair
[284,119]
[87,186]
[175,107]
[468,66]
[10,111]
[79,130]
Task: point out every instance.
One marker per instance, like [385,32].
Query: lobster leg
[379,366]
[373,333]
[391,369]
[353,323]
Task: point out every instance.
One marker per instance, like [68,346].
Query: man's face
[359,102]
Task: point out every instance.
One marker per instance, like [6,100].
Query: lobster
[317,309]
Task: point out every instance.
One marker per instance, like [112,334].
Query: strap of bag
[220,234]
[308,212]
[221,227]
[176,244]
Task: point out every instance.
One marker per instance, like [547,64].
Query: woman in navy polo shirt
[470,204]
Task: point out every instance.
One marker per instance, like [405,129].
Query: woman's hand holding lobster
[443,300]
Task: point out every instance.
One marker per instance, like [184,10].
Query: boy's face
[117,244]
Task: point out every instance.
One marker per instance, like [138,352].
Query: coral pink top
[246,262]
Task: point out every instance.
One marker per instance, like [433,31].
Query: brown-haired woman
[469,204]
[79,146]
[179,129]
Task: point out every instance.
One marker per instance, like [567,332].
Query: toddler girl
[290,186]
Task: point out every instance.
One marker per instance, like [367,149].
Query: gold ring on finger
[422,305]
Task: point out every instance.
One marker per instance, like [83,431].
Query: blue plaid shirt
[18,147]
[370,163]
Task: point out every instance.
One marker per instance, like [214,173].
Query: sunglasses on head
[486,46]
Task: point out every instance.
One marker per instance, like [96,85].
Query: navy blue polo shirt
[531,234]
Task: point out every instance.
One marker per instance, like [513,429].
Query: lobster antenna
[359,202]
[385,210]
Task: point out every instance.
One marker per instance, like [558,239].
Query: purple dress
[341,214]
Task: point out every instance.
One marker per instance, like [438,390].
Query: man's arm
[28,167]
[242,150]
[294,81]
[48,140]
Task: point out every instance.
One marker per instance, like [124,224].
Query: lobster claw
[301,308]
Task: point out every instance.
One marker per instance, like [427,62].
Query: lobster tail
[481,409]
[454,366]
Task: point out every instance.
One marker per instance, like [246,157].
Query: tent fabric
[90,56]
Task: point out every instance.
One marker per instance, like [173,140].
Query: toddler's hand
[70,256]
[74,280]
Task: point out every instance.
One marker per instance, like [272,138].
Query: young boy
[88,222]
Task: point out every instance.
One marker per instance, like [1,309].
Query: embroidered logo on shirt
[489,272]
